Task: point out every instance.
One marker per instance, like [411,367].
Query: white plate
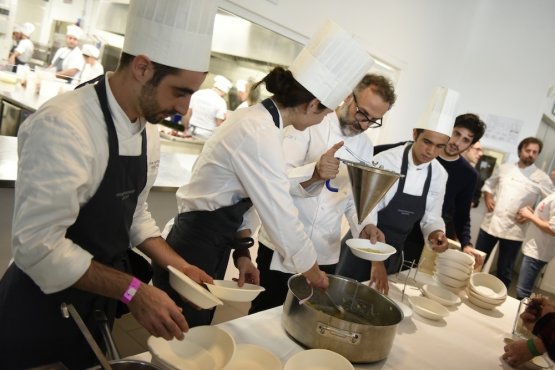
[478,302]
[453,264]
[192,291]
[252,357]
[230,291]
[446,280]
[187,356]
[453,272]
[441,295]
[455,255]
[317,359]
[428,308]
[407,311]
[488,285]
[362,248]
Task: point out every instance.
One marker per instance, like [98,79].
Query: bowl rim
[388,250]
[455,299]
[503,288]
[416,303]
[205,294]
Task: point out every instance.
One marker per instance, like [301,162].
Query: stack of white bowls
[486,291]
[453,269]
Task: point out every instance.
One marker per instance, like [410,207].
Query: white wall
[497,53]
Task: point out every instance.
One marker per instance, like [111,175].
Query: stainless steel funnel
[369,185]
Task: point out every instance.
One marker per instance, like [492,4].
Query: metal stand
[410,266]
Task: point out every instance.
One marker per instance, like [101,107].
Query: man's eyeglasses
[361,117]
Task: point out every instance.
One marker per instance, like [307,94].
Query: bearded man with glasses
[311,160]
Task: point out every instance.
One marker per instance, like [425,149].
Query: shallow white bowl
[192,291]
[428,308]
[454,264]
[362,248]
[230,291]
[201,344]
[455,255]
[487,285]
[441,295]
[252,357]
[446,280]
[317,359]
[453,272]
[494,301]
[478,302]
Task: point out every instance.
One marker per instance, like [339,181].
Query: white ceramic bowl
[201,344]
[252,357]
[441,295]
[230,291]
[478,302]
[362,248]
[453,272]
[455,255]
[428,308]
[317,359]
[494,301]
[446,280]
[192,291]
[487,285]
[454,264]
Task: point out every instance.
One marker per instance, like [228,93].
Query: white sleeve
[432,219]
[491,183]
[221,109]
[75,60]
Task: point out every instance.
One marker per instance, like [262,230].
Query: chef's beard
[348,128]
[527,161]
[150,109]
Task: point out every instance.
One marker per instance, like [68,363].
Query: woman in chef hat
[242,166]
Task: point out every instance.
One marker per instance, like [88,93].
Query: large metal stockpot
[363,333]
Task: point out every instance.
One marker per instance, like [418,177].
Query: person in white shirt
[511,187]
[418,195]
[208,109]
[92,67]
[87,161]
[24,49]
[306,153]
[539,245]
[68,60]
[242,165]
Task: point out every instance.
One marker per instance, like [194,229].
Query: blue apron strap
[272,109]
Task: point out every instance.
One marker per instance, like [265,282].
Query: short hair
[160,70]
[473,123]
[528,141]
[380,85]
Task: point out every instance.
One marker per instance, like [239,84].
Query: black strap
[93,81]
[272,109]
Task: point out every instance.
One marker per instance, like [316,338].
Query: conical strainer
[369,185]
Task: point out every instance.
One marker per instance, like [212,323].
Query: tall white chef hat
[75,31]
[27,29]
[241,85]
[90,50]
[222,83]
[175,33]
[439,115]
[331,64]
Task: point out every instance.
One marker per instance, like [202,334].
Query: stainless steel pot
[363,333]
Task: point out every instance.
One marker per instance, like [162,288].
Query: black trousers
[275,282]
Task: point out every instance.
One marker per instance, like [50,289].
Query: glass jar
[518,328]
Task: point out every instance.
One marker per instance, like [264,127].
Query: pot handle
[343,335]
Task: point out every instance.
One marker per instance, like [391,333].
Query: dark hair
[380,85]
[160,70]
[418,132]
[473,123]
[287,91]
[530,140]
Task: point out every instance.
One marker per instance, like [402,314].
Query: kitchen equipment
[337,307]
[363,333]
[518,328]
[115,364]
[488,285]
[363,248]
[441,295]
[229,291]
[428,308]
[192,291]
[317,359]
[369,185]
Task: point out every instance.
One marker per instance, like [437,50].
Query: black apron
[33,331]
[205,239]
[396,220]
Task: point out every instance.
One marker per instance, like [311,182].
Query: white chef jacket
[91,71]
[513,188]
[244,159]
[73,58]
[207,106]
[25,49]
[63,154]
[538,244]
[414,185]
[321,210]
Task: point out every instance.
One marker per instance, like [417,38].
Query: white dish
[446,280]
[488,285]
[441,295]
[455,255]
[407,311]
[484,299]
[362,248]
[453,264]
[428,308]
[230,291]
[317,359]
[478,302]
[192,291]
[453,272]
[252,357]
[201,344]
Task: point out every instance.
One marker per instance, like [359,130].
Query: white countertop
[469,338]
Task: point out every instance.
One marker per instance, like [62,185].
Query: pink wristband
[130,291]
